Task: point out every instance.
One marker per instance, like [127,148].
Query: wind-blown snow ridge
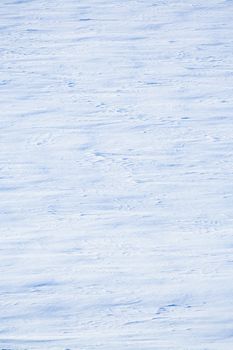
[116,174]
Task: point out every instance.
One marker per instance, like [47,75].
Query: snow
[116,154]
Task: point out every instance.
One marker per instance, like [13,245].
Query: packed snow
[116,172]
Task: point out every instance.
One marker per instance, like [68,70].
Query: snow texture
[116,159]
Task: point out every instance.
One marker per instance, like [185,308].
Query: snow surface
[116,177]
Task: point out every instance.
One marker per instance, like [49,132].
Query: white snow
[116,153]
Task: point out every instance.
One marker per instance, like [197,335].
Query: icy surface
[116,164]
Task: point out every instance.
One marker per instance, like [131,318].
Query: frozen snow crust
[116,174]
